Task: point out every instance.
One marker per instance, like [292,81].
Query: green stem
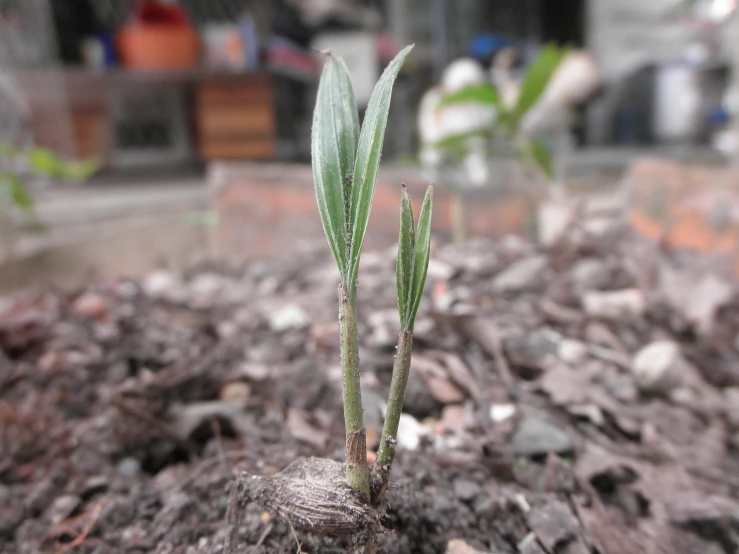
[386,454]
[456,208]
[357,472]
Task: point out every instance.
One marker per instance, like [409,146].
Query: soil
[533,424]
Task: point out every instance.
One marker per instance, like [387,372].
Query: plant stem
[357,472]
[386,454]
[456,209]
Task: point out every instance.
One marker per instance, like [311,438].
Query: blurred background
[195,116]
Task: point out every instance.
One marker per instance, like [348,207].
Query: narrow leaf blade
[333,144]
[421,255]
[404,265]
[17,192]
[368,157]
[537,77]
[484,94]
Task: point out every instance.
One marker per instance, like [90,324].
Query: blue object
[106,40]
[719,116]
[485,45]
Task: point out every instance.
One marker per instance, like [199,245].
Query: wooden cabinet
[235,118]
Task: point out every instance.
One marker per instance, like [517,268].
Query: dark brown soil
[126,410]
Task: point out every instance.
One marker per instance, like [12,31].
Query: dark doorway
[562,21]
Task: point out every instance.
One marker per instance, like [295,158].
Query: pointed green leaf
[538,75]
[484,94]
[17,192]
[404,265]
[368,158]
[421,255]
[334,142]
[543,158]
[535,153]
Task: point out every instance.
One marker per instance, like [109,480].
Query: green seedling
[346,159]
[317,495]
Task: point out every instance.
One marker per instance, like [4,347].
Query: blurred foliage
[17,166]
[530,152]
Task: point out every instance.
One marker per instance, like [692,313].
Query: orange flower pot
[158,47]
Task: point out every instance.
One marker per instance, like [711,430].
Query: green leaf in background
[535,153]
[538,75]
[16,192]
[45,161]
[367,163]
[484,94]
[79,171]
[421,254]
[458,143]
[543,158]
[406,249]
[334,140]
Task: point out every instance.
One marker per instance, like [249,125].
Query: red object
[160,37]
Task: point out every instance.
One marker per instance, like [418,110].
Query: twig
[295,535]
[265,534]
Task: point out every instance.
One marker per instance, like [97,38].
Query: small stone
[466,490]
[238,390]
[618,305]
[523,274]
[589,274]
[458,546]
[502,412]
[658,367]
[288,318]
[62,507]
[536,436]
[161,284]
[731,395]
[454,417]
[572,351]
[410,432]
[128,466]
[90,305]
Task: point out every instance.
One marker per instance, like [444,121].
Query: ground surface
[535,421]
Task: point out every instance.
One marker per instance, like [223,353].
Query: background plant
[504,136]
[346,160]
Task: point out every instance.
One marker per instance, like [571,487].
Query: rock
[731,395]
[187,418]
[707,294]
[589,274]
[288,318]
[458,546]
[617,305]
[410,432]
[658,367]
[238,390]
[554,217]
[454,417]
[533,352]
[163,284]
[523,274]
[204,288]
[572,351]
[90,305]
[61,508]
[466,490]
[537,436]
[502,412]
[128,466]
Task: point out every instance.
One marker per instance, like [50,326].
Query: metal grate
[114,13]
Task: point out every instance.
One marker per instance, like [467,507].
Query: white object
[658,367]
[502,412]
[618,304]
